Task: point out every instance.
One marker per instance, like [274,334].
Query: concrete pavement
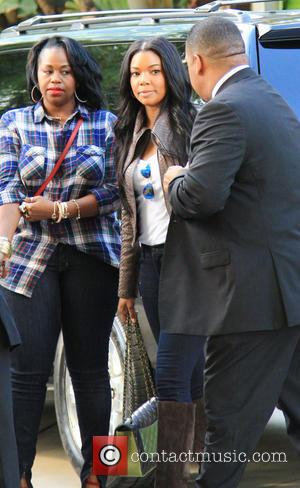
[53,470]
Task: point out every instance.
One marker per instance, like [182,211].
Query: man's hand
[38,208]
[126,309]
[171,173]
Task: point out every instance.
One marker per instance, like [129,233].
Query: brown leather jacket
[162,137]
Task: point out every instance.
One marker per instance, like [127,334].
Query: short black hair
[216,37]
[86,71]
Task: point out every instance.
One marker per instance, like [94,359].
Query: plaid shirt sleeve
[11,188]
[107,195]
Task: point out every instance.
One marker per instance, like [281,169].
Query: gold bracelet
[65,210]
[6,249]
[78,209]
[4,239]
[60,212]
[54,217]
[5,246]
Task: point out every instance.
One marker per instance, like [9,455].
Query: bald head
[216,38]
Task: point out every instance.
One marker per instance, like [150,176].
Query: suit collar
[240,75]
[226,77]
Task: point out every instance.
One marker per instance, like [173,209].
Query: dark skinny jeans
[77,294]
[180,358]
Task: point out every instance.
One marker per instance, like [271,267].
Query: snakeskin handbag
[140,427]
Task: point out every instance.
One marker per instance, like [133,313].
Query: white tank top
[153,217]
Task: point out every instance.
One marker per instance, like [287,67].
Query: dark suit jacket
[8,331]
[232,256]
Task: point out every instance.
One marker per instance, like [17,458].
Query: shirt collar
[227,75]
[39,112]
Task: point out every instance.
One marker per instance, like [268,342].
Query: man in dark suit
[232,258]
[9,338]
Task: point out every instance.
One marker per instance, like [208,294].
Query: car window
[280,65]
[109,59]
[13,92]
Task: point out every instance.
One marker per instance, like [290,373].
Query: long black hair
[85,69]
[177,103]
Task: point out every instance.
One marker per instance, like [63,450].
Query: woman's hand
[126,309]
[39,208]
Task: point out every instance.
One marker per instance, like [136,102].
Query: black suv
[272,42]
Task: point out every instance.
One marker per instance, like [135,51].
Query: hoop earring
[79,99]
[32,95]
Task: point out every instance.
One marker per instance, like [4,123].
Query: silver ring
[24,210]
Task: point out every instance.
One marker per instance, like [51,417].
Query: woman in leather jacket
[153,132]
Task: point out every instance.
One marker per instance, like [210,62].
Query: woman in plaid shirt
[63,272]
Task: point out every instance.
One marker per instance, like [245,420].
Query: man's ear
[198,63]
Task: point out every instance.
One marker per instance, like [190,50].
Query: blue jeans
[180,367]
[180,358]
[78,294]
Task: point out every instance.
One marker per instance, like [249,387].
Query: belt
[157,247]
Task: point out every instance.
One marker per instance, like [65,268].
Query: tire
[66,410]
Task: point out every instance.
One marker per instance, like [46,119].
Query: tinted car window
[109,57]
[13,81]
[281,67]
[13,78]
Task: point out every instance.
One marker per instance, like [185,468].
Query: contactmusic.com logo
[110,455]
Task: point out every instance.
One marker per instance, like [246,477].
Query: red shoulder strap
[61,158]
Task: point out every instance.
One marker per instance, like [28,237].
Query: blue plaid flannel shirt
[30,144]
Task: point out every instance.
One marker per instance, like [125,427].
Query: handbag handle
[129,394]
[61,158]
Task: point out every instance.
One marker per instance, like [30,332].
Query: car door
[279,60]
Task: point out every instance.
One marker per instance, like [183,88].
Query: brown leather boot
[200,426]
[175,435]
[199,437]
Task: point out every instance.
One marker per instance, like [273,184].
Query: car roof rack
[217,4]
[82,20]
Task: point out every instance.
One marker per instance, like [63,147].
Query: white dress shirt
[226,77]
